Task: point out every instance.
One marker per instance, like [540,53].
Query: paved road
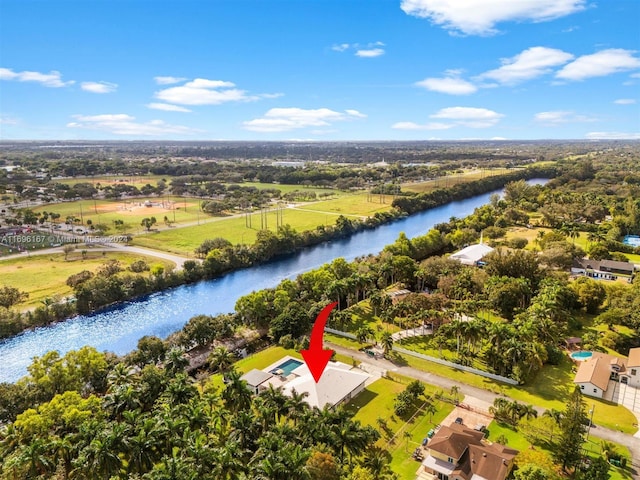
[629,441]
[120,247]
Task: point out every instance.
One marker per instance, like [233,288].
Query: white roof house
[338,384]
[472,254]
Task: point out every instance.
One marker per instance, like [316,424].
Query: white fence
[493,376]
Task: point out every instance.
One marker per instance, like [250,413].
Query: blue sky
[319,69]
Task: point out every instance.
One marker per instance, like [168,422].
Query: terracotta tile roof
[476,459]
[491,461]
[596,371]
[634,357]
[452,441]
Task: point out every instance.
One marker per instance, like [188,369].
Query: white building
[338,384]
[472,255]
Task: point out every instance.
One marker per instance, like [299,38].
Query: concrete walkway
[483,397]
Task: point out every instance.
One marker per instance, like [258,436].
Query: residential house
[338,384]
[594,374]
[633,368]
[460,453]
[601,269]
[472,255]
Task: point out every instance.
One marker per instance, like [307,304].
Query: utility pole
[593,407]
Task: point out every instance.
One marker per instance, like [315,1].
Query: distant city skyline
[319,70]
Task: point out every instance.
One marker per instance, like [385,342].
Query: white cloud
[167,107]
[370,53]
[202,91]
[469,116]
[98,87]
[613,136]
[528,64]
[52,79]
[625,101]
[368,50]
[557,117]
[341,47]
[168,80]
[426,126]
[599,64]
[123,124]
[7,120]
[451,85]
[286,119]
[479,17]
[458,117]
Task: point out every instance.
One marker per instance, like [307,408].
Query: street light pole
[593,407]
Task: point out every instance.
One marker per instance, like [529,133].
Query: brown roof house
[595,374]
[460,453]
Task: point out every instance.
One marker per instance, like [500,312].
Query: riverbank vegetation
[94,415]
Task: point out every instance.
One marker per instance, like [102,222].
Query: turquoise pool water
[582,355]
[633,240]
[287,366]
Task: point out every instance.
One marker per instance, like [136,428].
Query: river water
[118,329]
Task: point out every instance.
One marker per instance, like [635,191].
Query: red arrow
[316,357]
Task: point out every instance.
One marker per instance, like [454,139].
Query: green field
[376,401]
[543,457]
[357,204]
[184,240]
[130,211]
[45,276]
[285,188]
[451,180]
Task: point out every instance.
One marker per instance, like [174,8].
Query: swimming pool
[286,367]
[633,240]
[581,355]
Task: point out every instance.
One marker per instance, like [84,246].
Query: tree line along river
[118,329]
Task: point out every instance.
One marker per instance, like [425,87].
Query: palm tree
[364,333]
[386,340]
[221,359]
[236,395]
[175,361]
[376,460]
[528,412]
[454,391]
[430,409]
[553,413]
[608,449]
[296,405]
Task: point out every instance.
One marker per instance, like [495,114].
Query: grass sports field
[138,181]
[130,211]
[183,241]
[43,276]
[357,204]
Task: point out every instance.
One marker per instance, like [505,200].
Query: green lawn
[286,188]
[543,457]
[377,402]
[183,241]
[451,180]
[43,276]
[355,204]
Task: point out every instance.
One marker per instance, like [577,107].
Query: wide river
[118,329]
